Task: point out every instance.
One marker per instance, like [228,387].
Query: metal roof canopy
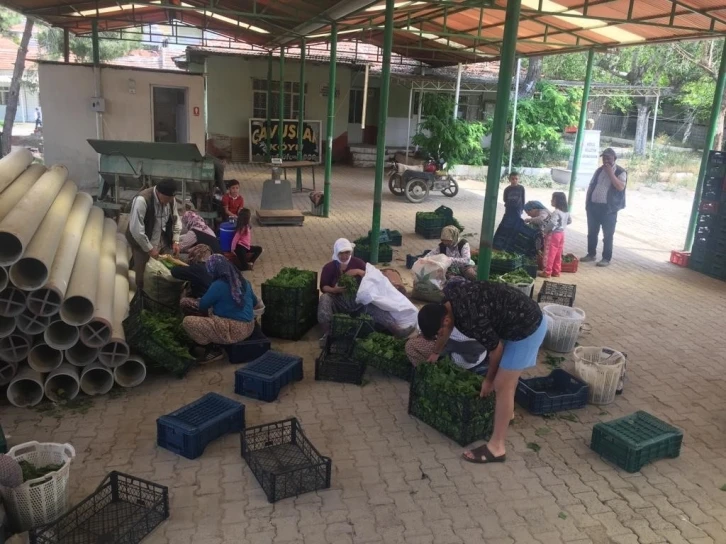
[435,32]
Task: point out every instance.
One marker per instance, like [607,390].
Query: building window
[355,106]
[4,93]
[291,99]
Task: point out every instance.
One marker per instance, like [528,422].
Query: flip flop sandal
[485,457]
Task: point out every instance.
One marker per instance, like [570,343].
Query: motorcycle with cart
[415,182]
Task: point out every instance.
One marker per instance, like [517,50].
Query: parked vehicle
[415,182]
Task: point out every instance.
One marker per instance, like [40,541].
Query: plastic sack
[160,285]
[376,289]
[429,277]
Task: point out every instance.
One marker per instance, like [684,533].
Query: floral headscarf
[534,205]
[199,253]
[450,234]
[193,221]
[221,269]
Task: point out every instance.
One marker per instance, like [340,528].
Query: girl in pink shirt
[242,246]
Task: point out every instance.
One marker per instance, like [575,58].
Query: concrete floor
[397,480]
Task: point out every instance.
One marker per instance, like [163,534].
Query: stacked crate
[708,254]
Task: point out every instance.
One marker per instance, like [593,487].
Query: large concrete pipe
[130,373]
[79,304]
[81,355]
[96,379]
[12,302]
[63,383]
[15,347]
[7,326]
[3,278]
[61,335]
[117,350]
[47,301]
[32,324]
[12,165]
[22,184]
[22,222]
[42,357]
[97,332]
[123,255]
[8,369]
[26,388]
[32,270]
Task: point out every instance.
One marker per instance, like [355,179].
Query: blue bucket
[226,233]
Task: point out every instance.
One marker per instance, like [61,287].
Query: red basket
[680,258]
[708,206]
[570,267]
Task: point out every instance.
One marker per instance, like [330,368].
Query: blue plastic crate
[250,349]
[264,377]
[557,392]
[188,430]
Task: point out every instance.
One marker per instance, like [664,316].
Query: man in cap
[154,225]
[605,198]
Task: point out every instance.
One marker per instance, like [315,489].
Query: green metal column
[94,42]
[710,137]
[330,128]
[381,142]
[281,104]
[301,116]
[581,127]
[499,129]
[268,122]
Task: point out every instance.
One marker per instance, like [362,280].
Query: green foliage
[8,19]
[166,330]
[50,41]
[553,361]
[350,284]
[441,136]
[534,446]
[517,276]
[385,353]
[293,278]
[697,96]
[31,472]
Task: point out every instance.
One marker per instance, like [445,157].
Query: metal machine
[136,165]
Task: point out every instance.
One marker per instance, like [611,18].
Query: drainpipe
[581,127]
[22,184]
[408,128]
[655,120]
[66,46]
[300,116]
[12,165]
[708,145]
[365,98]
[330,128]
[382,120]
[457,92]
[97,92]
[268,121]
[496,154]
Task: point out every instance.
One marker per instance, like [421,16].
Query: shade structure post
[281,105]
[330,127]
[514,116]
[496,153]
[364,109]
[708,145]
[301,116]
[268,110]
[581,125]
[457,91]
[655,121]
[408,128]
[382,118]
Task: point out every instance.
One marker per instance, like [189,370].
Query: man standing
[605,198]
[154,226]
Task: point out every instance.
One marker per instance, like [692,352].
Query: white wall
[68,121]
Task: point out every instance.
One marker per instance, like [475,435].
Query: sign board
[589,158]
[311,140]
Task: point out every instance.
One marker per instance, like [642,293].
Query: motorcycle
[415,182]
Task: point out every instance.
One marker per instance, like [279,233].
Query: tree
[50,41]
[14,91]
[8,19]
[534,74]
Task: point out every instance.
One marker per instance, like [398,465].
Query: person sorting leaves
[231,301]
[154,226]
[197,278]
[196,231]
[458,251]
[511,327]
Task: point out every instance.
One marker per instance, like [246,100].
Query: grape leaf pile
[385,353]
[292,277]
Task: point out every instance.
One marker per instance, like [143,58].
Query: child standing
[232,202]
[514,196]
[242,246]
[555,235]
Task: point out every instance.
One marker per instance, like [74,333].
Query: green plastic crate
[635,440]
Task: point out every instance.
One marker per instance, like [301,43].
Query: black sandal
[486,456]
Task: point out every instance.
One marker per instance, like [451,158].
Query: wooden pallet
[280,217]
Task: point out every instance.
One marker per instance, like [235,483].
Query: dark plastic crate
[284,461]
[557,392]
[398,366]
[188,430]
[635,440]
[390,237]
[346,328]
[411,259]
[530,267]
[463,418]
[557,293]
[502,266]
[289,329]
[289,304]
[385,252]
[263,378]
[429,227]
[250,349]
[396,238]
[336,364]
[706,219]
[123,509]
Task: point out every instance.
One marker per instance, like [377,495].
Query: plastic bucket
[563,327]
[226,233]
[601,368]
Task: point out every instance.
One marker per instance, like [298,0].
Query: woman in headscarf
[196,231]
[231,301]
[197,277]
[539,217]
[334,298]
[458,251]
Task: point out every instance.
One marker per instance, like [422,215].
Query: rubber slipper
[485,457]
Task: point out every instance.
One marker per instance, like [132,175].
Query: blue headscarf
[221,269]
[534,205]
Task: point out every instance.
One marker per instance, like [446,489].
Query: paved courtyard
[396,480]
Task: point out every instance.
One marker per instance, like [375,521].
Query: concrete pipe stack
[64,289]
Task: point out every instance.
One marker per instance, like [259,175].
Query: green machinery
[137,165]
